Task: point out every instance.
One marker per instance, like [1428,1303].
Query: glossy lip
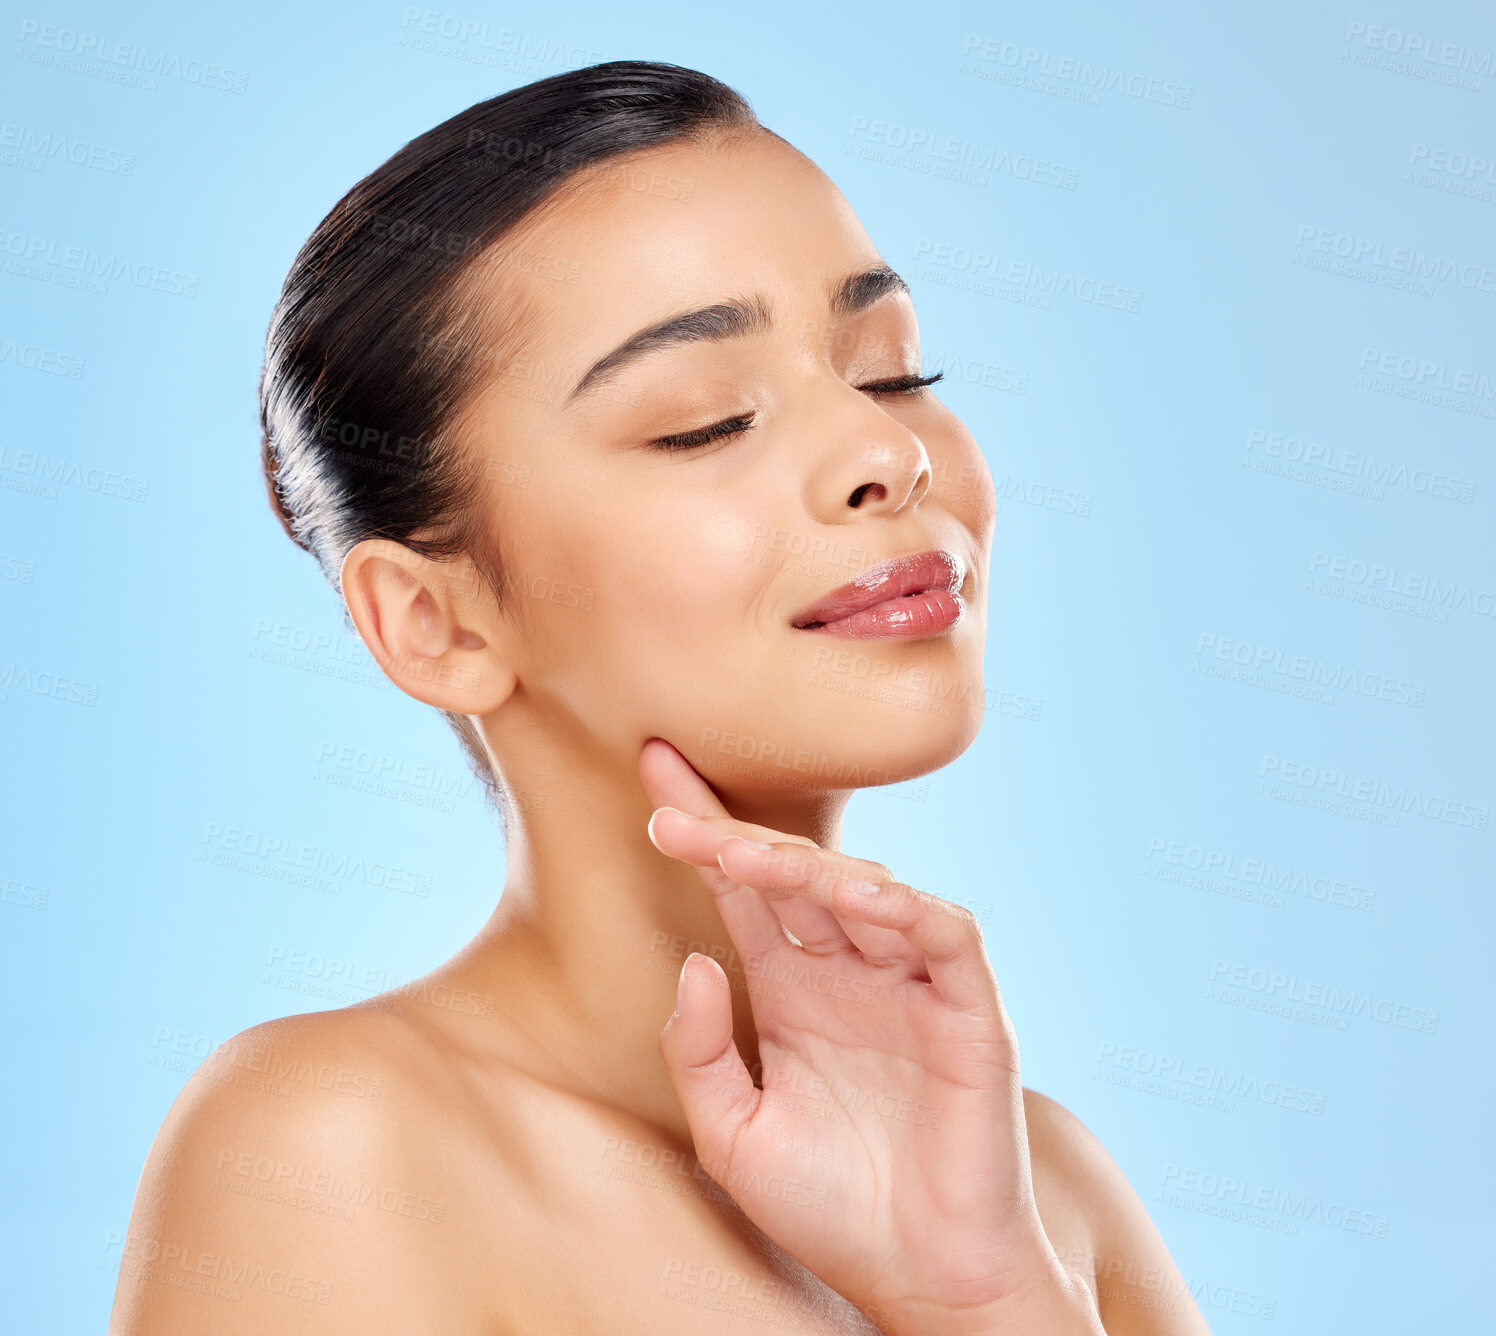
[899,577]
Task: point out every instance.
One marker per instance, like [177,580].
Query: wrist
[1055,1302]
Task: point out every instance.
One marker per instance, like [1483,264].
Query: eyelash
[689,440]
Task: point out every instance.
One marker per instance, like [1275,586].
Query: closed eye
[734,426]
[902,384]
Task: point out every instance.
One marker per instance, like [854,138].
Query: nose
[872,463]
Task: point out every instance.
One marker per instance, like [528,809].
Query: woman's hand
[886,1149]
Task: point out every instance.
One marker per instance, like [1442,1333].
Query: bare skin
[511,1144]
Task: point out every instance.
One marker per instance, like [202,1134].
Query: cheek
[672,589]
[683,576]
[962,479]
[682,626]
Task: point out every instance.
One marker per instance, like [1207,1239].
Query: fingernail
[680,986]
[865,888]
[752,844]
[678,812]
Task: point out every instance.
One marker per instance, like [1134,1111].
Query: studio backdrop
[1214,288]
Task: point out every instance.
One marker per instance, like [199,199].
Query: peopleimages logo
[1353,463]
[1199,1082]
[1289,995]
[1239,1195]
[1375,793]
[1424,380]
[979,269]
[102,51]
[1306,668]
[43,144]
[88,263]
[1472,166]
[1425,371]
[924,143]
[508,41]
[1399,259]
[1403,584]
[1032,62]
[1417,46]
[1257,872]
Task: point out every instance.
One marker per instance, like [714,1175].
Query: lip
[904,597]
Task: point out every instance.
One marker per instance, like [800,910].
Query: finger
[699,842]
[946,937]
[793,875]
[672,781]
[815,928]
[808,912]
[691,839]
[756,930]
[709,1075]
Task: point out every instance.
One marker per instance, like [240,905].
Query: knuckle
[1010,1038]
[799,862]
[964,926]
[963,920]
[906,897]
[967,920]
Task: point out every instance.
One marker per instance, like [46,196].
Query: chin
[840,742]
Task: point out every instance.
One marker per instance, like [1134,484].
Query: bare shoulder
[300,1182]
[1100,1228]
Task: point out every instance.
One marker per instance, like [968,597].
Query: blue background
[175,669]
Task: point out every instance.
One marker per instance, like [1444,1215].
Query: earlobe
[420,622]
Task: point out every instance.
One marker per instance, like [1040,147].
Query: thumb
[708,1072]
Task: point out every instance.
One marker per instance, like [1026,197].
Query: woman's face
[654,584]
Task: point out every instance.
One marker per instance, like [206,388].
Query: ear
[432,626]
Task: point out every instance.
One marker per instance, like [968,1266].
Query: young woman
[604,416]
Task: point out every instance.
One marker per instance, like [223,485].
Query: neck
[594,924]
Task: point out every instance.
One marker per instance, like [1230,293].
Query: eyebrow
[733,319]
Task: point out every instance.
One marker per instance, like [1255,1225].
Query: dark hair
[365,377]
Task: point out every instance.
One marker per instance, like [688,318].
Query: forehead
[649,233]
